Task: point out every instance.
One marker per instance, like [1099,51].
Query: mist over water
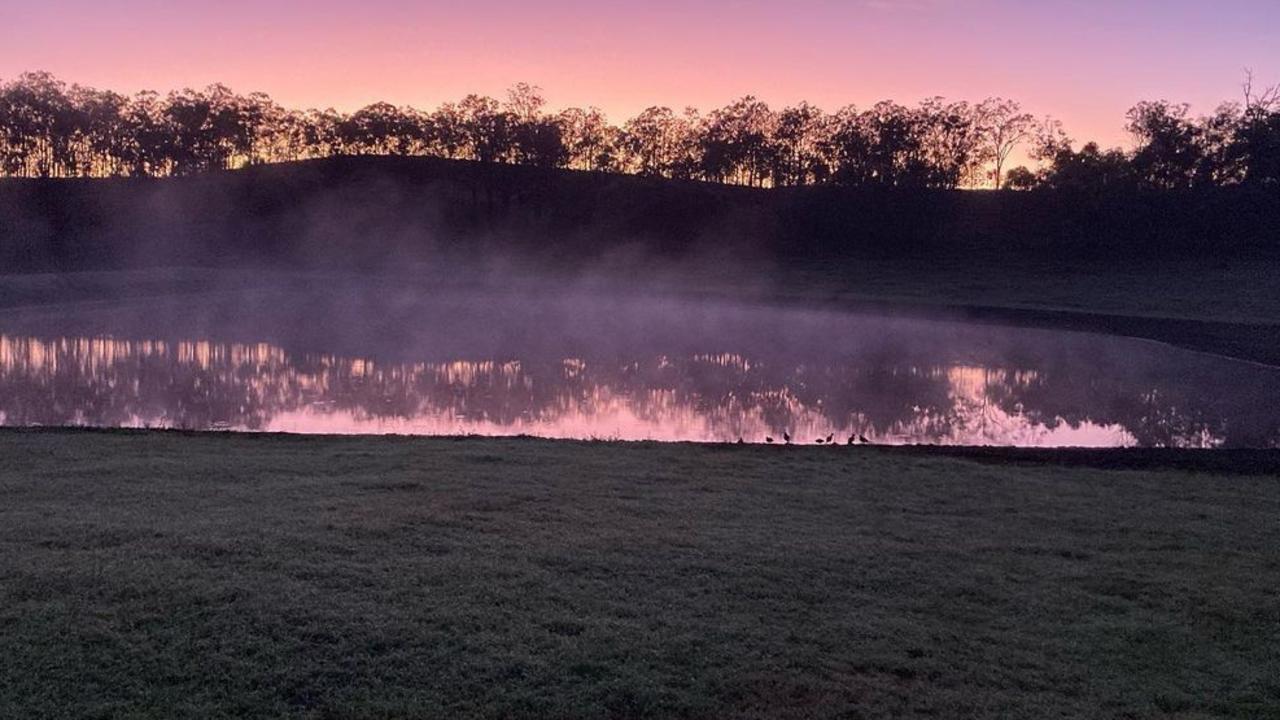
[578,362]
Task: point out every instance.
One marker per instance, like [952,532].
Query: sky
[1083,61]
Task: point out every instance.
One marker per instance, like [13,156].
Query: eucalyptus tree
[895,151]
[283,136]
[1256,144]
[652,141]
[847,146]
[152,136]
[449,134]
[952,141]
[105,130]
[1020,178]
[212,129]
[539,142]
[487,129]
[801,140]
[525,102]
[384,129]
[588,138]
[737,142]
[536,139]
[49,129]
[1168,144]
[320,132]
[1003,126]
[39,126]
[12,139]
[266,130]
[1090,169]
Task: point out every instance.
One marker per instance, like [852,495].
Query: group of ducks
[828,440]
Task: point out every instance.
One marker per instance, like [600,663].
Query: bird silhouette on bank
[820,441]
[786,437]
[741,441]
[863,439]
[852,439]
[768,439]
[831,439]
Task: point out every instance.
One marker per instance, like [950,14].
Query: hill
[371,212]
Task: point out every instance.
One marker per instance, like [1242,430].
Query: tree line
[51,129]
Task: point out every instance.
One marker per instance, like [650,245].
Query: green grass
[157,575]
[1234,290]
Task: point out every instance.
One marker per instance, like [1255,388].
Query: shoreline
[1223,461]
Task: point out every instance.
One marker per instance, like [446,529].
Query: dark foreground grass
[157,575]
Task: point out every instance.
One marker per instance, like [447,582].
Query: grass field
[157,575]
[1228,290]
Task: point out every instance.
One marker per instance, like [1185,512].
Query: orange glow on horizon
[1084,63]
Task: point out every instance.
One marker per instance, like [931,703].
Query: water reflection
[1174,399]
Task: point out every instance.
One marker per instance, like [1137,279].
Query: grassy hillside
[161,575]
[381,211]
[1199,270]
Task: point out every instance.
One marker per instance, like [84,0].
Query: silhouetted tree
[539,142]
[952,141]
[590,142]
[525,102]
[1020,178]
[1255,147]
[152,150]
[896,151]
[321,132]
[1004,126]
[487,128]
[1089,169]
[48,129]
[1169,152]
[735,143]
[451,139]
[652,141]
[848,146]
[210,129]
[535,138]
[39,126]
[383,129]
[801,136]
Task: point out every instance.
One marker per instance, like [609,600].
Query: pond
[582,364]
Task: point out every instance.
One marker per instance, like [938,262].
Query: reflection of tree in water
[201,385]
[113,383]
[1186,405]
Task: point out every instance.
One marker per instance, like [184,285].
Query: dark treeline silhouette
[390,212]
[50,129]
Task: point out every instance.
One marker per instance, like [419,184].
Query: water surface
[586,365]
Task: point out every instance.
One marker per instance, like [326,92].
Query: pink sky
[1083,61]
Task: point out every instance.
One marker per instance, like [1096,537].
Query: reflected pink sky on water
[712,398]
